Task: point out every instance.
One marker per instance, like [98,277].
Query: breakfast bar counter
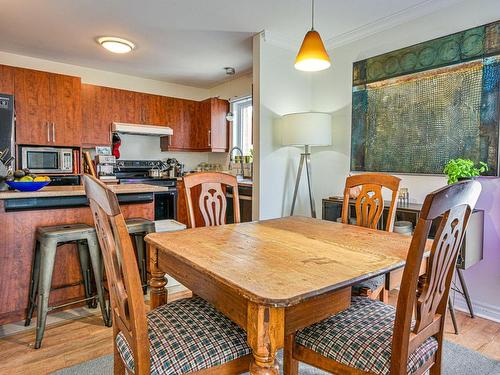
[21,213]
[65,191]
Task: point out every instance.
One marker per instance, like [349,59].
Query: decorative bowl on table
[27,185]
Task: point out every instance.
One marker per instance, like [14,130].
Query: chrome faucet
[231,158]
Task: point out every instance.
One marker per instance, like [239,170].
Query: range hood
[138,129]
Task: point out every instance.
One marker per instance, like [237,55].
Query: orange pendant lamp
[312,56]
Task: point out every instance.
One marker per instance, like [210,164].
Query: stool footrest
[52,308]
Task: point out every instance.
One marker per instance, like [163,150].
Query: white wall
[235,88]
[280,89]
[332,92]
[332,89]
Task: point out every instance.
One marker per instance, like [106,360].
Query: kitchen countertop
[246,182]
[68,191]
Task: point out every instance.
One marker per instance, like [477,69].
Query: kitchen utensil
[154,173]
[4,154]
[403,227]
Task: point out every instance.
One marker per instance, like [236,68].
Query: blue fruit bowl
[27,186]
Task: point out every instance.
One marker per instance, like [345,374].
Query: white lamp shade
[307,128]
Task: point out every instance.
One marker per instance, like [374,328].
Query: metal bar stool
[47,241]
[138,228]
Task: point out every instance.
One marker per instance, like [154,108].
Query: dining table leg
[265,335]
[158,291]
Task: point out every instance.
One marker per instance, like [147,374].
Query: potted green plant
[461,169]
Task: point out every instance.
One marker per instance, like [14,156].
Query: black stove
[137,172]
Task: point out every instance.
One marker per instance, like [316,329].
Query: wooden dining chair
[371,337]
[369,206]
[211,202]
[185,336]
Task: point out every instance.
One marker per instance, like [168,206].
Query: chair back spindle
[429,292]
[369,204]
[212,200]
[127,303]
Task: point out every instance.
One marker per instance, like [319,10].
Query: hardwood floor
[74,341]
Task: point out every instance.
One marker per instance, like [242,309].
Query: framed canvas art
[418,107]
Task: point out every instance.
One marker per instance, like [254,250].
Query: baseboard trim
[481,309]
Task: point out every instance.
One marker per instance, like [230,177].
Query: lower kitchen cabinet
[245,194]
[16,253]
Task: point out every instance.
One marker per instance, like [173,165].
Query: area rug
[457,360]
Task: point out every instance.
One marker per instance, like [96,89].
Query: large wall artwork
[418,107]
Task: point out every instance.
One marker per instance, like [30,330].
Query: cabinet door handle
[209,138]
[48,131]
[53,133]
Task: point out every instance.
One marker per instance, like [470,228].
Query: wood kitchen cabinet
[97,113]
[48,108]
[127,106]
[6,79]
[66,110]
[153,110]
[197,126]
[182,118]
[217,125]
[139,108]
[32,103]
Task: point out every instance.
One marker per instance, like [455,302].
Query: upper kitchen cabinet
[182,118]
[218,125]
[153,110]
[32,103]
[48,108]
[197,126]
[97,112]
[6,79]
[139,108]
[127,106]
[66,110]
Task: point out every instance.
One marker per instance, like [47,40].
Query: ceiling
[184,41]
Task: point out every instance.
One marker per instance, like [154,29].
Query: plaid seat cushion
[371,284]
[361,337]
[188,335]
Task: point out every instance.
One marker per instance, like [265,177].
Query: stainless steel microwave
[47,159]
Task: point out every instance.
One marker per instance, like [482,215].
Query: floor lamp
[306,129]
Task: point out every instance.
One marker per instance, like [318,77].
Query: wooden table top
[283,261]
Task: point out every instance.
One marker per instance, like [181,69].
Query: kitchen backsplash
[137,147]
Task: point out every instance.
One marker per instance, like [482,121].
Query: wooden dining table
[273,277]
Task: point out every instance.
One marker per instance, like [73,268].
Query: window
[242,124]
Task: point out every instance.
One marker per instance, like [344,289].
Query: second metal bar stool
[138,228]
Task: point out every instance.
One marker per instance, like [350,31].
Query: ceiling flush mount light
[116,45]
[312,56]
[230,71]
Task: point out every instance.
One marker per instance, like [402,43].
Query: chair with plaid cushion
[366,189]
[185,336]
[371,337]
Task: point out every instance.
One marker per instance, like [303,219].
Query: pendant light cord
[312,15]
